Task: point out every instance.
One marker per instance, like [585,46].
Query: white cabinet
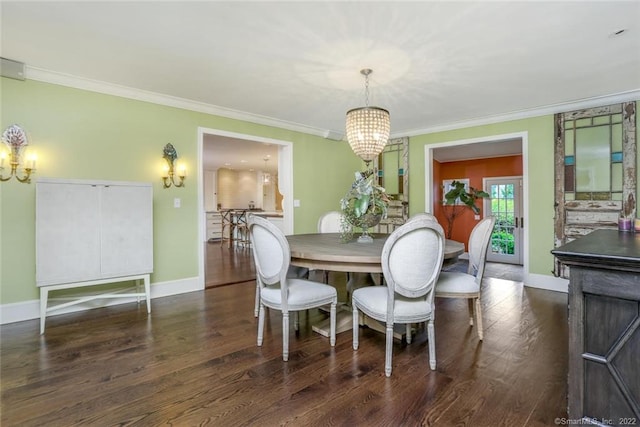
[214,226]
[278,221]
[90,233]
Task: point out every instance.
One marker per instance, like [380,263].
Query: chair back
[241,217]
[271,252]
[226,215]
[426,215]
[412,258]
[330,222]
[478,246]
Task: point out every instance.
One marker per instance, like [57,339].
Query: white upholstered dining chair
[294,272]
[329,222]
[411,261]
[468,285]
[271,255]
[426,215]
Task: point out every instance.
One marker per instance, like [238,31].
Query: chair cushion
[457,283]
[303,294]
[372,300]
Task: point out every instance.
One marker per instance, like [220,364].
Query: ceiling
[239,154]
[436,65]
[509,147]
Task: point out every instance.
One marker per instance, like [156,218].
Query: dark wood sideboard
[604,327]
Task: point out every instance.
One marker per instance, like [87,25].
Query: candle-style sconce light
[170,154]
[15,138]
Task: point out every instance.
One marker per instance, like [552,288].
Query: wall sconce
[170,155]
[16,139]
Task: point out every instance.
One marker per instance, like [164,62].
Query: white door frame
[285,183]
[428,178]
[516,258]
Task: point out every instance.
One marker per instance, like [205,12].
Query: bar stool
[227,227]
[242,229]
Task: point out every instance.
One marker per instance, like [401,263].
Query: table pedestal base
[399,331]
[344,322]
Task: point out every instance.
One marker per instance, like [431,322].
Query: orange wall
[474,170]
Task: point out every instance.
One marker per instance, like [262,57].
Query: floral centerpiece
[364,205]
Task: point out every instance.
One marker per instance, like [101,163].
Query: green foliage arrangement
[364,204]
[468,199]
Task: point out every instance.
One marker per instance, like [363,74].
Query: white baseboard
[550,283]
[28,310]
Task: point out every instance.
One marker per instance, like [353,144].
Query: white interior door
[505,203]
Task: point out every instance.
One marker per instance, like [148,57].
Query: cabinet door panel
[127,230]
[67,238]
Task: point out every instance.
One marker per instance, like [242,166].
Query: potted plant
[457,199]
[364,205]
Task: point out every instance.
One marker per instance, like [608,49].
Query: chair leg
[356,329]
[257,305]
[332,336]
[285,336]
[260,325]
[479,319]
[432,345]
[408,333]
[388,350]
[470,304]
[296,321]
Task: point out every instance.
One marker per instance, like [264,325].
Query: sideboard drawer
[214,225]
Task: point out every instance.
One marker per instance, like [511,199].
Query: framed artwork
[447,185]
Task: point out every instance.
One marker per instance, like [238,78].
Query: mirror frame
[402,146]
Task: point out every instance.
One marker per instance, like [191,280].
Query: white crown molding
[39,74]
[632,95]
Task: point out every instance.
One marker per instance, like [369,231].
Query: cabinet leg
[44,294]
[147,292]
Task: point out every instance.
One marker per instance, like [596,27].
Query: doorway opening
[479,149]
[284,174]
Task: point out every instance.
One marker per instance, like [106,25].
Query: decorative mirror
[393,174]
[595,171]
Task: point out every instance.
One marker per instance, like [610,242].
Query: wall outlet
[296,203]
[177,202]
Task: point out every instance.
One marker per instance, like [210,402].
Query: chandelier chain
[366,89]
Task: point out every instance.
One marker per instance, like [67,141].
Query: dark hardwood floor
[226,265]
[194,361]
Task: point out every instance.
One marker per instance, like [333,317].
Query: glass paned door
[505,204]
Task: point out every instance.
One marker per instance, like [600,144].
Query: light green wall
[85,135]
[540,154]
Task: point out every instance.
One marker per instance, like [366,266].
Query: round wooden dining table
[326,251]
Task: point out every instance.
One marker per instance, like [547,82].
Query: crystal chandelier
[367,127]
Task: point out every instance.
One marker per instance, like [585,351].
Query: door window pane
[592,159]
